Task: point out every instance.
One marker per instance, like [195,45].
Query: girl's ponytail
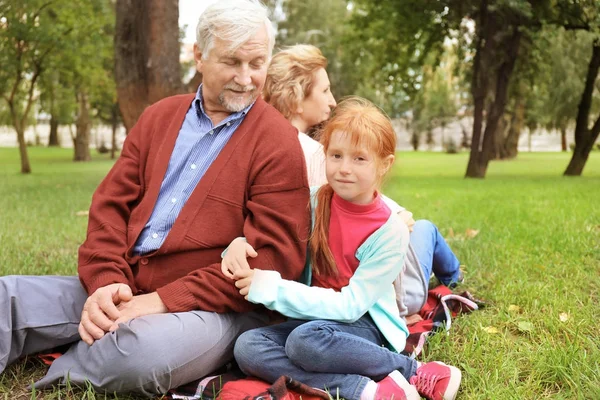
[321,256]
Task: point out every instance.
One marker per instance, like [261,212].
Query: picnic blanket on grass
[229,383]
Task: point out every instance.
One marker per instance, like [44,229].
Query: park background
[503,91]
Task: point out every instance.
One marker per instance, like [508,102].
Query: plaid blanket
[442,304]
[230,383]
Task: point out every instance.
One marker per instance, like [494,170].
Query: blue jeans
[335,356]
[435,256]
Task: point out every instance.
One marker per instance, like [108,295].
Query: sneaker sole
[453,384]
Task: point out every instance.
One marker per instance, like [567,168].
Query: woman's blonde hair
[367,127]
[291,76]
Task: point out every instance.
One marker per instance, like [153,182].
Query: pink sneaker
[437,381]
[395,387]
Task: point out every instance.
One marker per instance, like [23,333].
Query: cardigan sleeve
[102,255]
[374,275]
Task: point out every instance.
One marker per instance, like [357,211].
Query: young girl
[345,334]
[297,85]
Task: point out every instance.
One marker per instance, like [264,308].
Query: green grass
[538,249]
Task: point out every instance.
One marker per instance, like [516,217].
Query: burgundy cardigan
[257,188]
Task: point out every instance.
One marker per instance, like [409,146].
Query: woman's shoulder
[309,145]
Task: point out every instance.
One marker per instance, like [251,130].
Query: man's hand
[138,306]
[236,257]
[244,281]
[100,311]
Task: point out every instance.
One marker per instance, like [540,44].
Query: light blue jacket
[381,260]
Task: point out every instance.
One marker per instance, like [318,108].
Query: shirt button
[144,261]
[229,124]
[154,235]
[193,166]
[211,132]
[173,200]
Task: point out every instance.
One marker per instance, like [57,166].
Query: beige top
[315,160]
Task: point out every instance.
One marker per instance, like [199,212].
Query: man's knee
[129,360]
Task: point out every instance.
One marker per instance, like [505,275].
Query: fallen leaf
[450,233]
[471,233]
[491,330]
[514,308]
[563,317]
[525,326]
[82,213]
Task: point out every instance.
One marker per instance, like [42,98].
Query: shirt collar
[199,106]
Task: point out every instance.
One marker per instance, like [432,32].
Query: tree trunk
[563,138]
[25,166]
[500,138]
[53,139]
[147,66]
[415,141]
[444,144]
[81,142]
[584,137]
[479,88]
[511,47]
[115,125]
[511,143]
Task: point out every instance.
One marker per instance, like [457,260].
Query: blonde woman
[297,86]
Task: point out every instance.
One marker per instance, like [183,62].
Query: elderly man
[151,307]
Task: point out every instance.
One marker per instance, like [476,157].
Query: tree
[322,23]
[28,37]
[31,35]
[585,137]
[147,65]
[555,87]
[399,34]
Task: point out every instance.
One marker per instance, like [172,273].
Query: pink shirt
[349,226]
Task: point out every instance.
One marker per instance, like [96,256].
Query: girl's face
[316,107]
[353,173]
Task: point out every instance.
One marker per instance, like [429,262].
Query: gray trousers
[147,355]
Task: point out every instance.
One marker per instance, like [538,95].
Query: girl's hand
[244,281]
[235,257]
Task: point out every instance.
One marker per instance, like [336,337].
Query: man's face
[231,81]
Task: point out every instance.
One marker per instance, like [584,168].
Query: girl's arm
[379,267]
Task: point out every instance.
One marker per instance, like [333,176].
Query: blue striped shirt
[197,146]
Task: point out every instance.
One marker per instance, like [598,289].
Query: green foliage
[555,73]
[68,43]
[323,23]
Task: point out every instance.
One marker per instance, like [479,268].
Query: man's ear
[197,57]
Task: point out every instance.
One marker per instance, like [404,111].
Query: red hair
[368,127]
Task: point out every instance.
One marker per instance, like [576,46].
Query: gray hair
[234,21]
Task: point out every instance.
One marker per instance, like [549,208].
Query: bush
[451,147]
[102,149]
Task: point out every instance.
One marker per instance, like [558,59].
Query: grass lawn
[535,261]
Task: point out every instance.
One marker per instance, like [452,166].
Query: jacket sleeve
[102,254]
[374,275]
[276,225]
